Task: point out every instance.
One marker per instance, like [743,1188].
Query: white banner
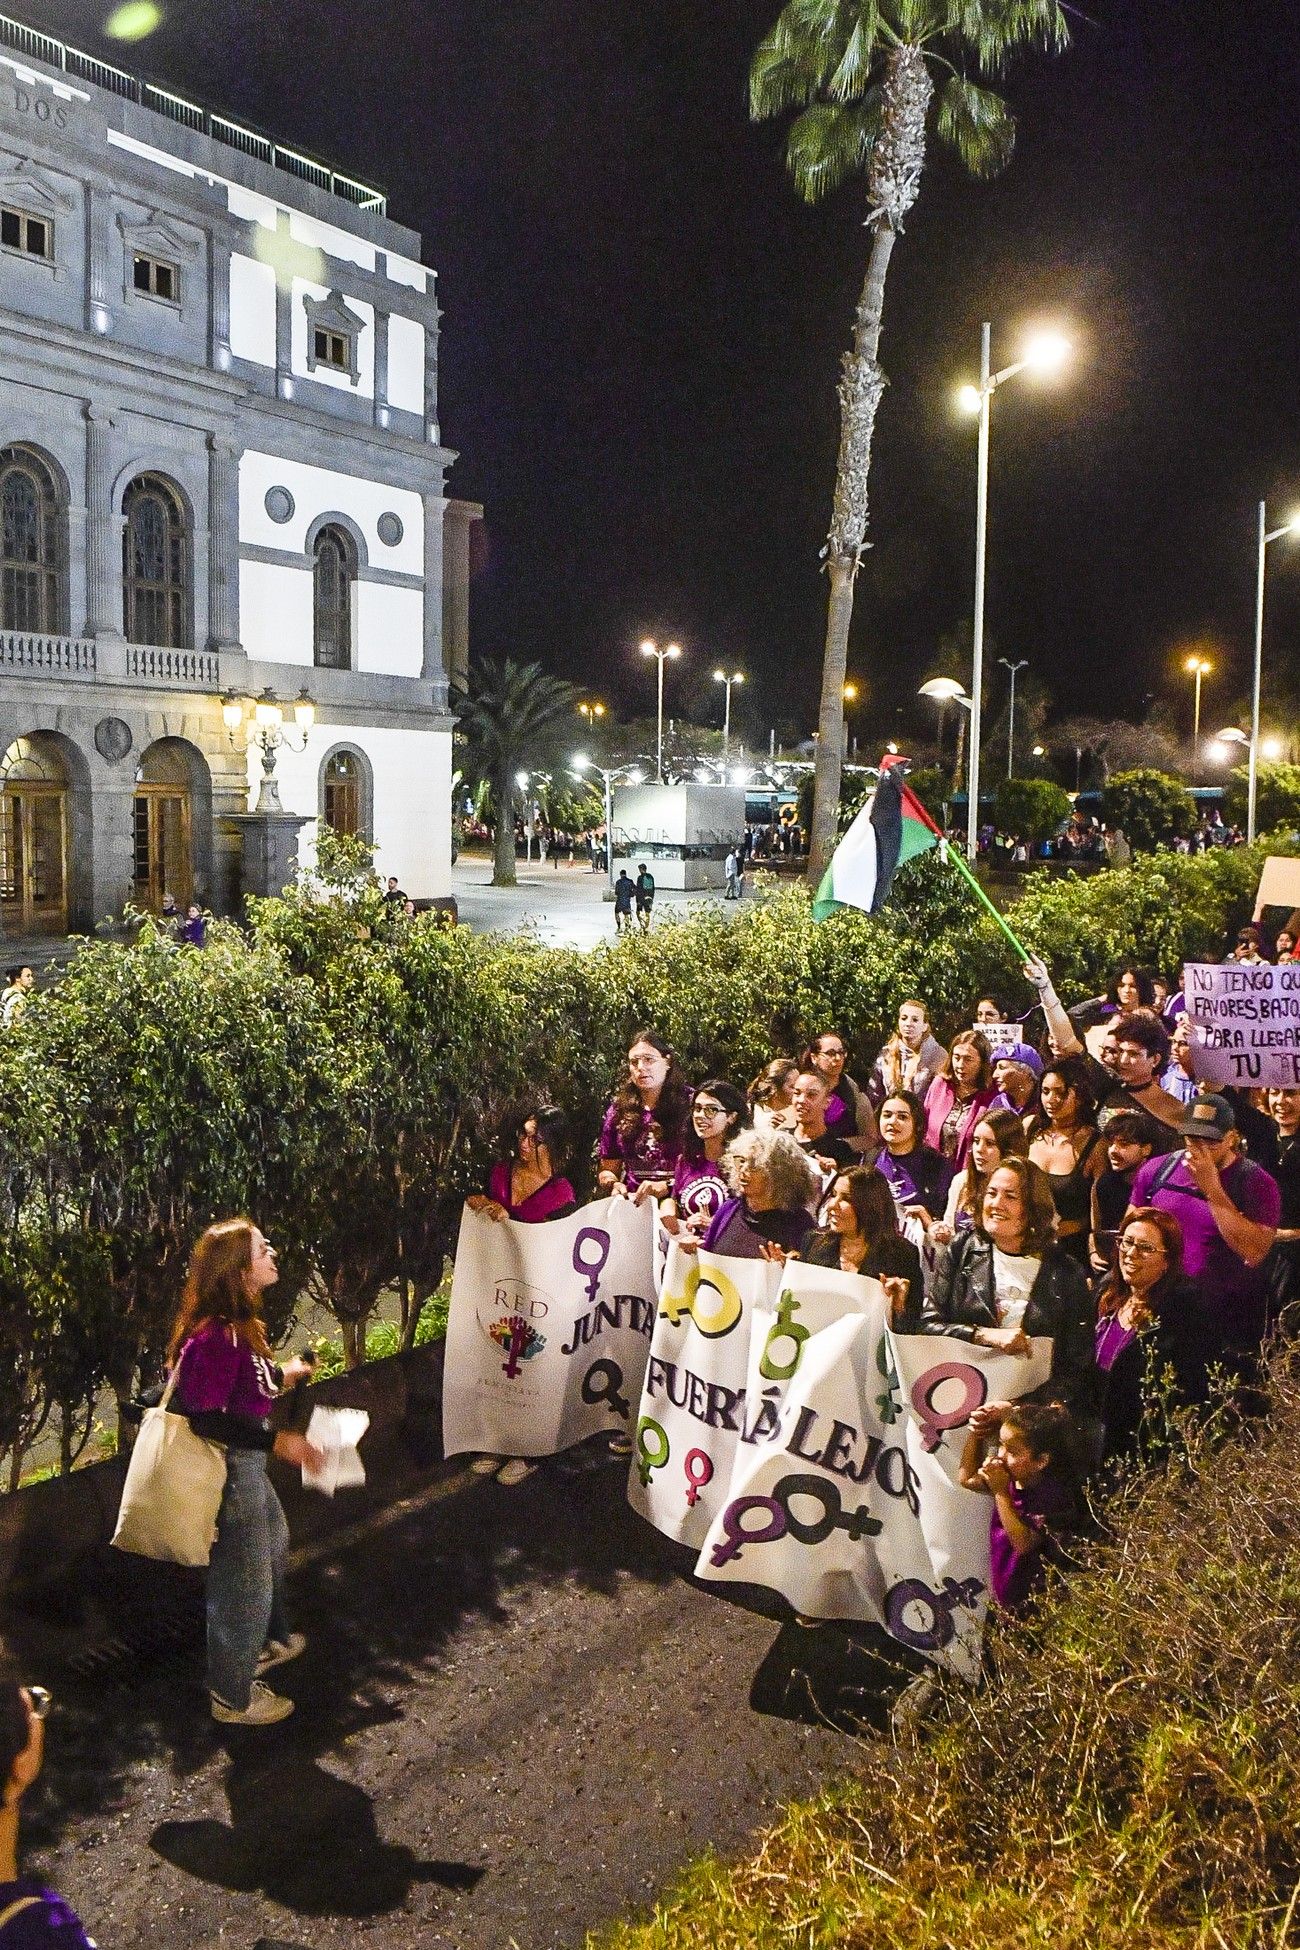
[828,1472]
[548,1330]
[1245,1023]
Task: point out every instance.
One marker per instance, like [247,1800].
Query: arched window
[332,600]
[345,794]
[31,548]
[155,565]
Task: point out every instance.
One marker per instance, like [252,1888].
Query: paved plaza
[564,904]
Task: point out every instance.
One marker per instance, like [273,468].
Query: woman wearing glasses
[1149,1324]
[32,1917]
[849,1113]
[699,1191]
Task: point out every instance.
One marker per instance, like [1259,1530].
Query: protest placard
[1245,1023]
[1000,1036]
[548,1330]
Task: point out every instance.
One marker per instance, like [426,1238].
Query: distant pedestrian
[624,890]
[32,1916]
[732,871]
[21,982]
[195,931]
[645,896]
[226,1383]
[393,894]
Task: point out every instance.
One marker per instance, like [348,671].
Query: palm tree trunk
[503,838]
[897,160]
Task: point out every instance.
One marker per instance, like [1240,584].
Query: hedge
[338,1072]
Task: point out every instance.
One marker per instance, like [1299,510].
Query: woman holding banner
[861,1236]
[719,1112]
[645,1125]
[773,1185]
[1006,1281]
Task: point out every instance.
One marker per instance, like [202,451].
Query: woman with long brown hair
[226,1382]
[644,1131]
[1149,1322]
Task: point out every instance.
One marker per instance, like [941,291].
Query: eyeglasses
[832,1052]
[1139,1251]
[41,1701]
[708,1109]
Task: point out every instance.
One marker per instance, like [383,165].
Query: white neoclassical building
[222,480]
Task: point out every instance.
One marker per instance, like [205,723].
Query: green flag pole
[958,859]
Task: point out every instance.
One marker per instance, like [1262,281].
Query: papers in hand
[336,1432]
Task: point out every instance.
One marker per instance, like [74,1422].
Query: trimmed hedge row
[339,1072]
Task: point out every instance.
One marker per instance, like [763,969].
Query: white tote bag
[173,1489]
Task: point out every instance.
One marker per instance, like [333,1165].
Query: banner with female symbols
[846,1500]
[692,1416]
[548,1330]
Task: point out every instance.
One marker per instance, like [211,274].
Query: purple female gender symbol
[924,1391]
[699,1472]
[591,1270]
[733,1522]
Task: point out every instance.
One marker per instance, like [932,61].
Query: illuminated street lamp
[721,677]
[1197,667]
[591,712]
[1046,352]
[1266,535]
[651,649]
[266,731]
[607,774]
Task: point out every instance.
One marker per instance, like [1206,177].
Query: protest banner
[1245,1023]
[692,1411]
[548,1330]
[1001,1036]
[843,1493]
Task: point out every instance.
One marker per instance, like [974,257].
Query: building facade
[221,480]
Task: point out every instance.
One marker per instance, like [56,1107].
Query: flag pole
[953,854]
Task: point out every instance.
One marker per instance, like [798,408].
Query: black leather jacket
[961,1298]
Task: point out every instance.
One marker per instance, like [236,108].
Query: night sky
[643,325]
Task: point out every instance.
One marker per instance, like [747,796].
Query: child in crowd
[1033,1477]
[1130,1138]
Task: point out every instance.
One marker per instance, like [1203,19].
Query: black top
[893,1257]
[920,1177]
[838,1150]
[1165,1360]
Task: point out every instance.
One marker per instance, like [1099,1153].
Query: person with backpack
[32,1916]
[645,896]
[624,889]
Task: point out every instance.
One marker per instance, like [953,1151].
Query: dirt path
[516,1720]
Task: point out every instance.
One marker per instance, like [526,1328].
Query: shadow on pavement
[306,1839]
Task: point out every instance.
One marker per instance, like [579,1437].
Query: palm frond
[852,76]
[978,124]
[993,30]
[828,143]
[794,63]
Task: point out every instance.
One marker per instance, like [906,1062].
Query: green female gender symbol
[650,1457]
[783,1328]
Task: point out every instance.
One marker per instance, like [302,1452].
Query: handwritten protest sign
[1245,1023]
[548,1330]
[1001,1036]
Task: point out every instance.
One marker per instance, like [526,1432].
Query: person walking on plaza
[32,1916]
[732,871]
[226,1384]
[645,896]
[624,889]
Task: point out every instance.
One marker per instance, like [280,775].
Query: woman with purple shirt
[226,1383]
[644,1130]
[1033,1478]
[32,1916]
[1149,1321]
[773,1185]
[718,1112]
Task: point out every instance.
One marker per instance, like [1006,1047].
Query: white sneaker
[516,1471]
[263,1710]
[620,1443]
[278,1652]
[485,1465]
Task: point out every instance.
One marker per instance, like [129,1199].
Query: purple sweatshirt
[225,1389]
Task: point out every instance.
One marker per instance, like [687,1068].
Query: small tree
[1277,797]
[513,718]
[1151,807]
[1032,809]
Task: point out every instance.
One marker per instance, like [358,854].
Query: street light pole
[721,677]
[651,649]
[1011,718]
[1266,535]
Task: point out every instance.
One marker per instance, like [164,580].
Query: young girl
[1033,1478]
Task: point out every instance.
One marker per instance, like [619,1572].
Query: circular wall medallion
[390,529]
[113,739]
[279,504]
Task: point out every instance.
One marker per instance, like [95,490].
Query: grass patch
[1128,1778]
[384,1338]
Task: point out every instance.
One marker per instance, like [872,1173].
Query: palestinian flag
[892,827]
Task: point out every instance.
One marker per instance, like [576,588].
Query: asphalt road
[517,1718]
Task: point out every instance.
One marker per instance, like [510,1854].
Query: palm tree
[511,718]
[862,75]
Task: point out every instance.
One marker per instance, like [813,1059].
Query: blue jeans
[245,1577]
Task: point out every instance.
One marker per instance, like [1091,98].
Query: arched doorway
[164,826]
[345,793]
[33,838]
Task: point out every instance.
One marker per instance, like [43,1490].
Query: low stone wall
[55,1554]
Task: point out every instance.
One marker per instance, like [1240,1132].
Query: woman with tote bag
[225,1383]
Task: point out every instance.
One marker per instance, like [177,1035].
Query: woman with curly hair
[773,1184]
[644,1130]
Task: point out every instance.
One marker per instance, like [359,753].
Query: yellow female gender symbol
[713,1321]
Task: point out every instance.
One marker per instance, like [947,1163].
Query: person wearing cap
[1016,1071]
[1228,1208]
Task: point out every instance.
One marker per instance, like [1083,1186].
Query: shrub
[1031,809]
[1277,797]
[1126,1778]
[1150,806]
